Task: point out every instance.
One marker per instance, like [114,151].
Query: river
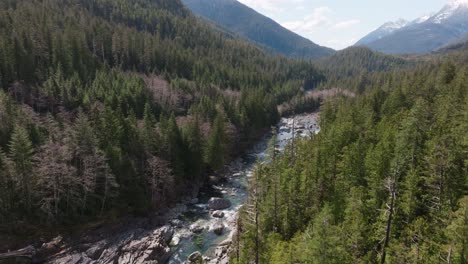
[235,189]
[188,228]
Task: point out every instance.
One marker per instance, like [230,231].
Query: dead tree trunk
[392,191]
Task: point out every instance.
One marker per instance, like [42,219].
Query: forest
[111,108]
[123,107]
[385,180]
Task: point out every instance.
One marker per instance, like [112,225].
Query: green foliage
[215,146]
[386,176]
[83,84]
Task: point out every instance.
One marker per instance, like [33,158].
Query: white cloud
[321,24]
[271,5]
[320,17]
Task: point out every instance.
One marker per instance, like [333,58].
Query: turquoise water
[235,189]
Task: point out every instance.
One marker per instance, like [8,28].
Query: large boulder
[165,232]
[196,228]
[195,257]
[218,228]
[218,203]
[218,214]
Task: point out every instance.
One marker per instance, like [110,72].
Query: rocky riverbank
[196,230]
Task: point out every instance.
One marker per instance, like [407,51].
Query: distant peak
[453,7]
[423,19]
[458,3]
[395,24]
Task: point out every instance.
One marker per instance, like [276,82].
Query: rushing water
[234,188]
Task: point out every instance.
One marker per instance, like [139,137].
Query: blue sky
[340,23]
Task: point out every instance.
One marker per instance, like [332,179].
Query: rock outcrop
[218,203]
[136,246]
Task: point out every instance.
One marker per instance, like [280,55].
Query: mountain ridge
[424,34]
[257,28]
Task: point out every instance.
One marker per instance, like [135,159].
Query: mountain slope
[447,25]
[357,60]
[383,31]
[255,27]
[123,106]
[459,44]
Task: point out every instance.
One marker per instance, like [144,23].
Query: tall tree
[215,148]
[21,152]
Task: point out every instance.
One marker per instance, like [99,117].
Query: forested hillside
[385,180]
[123,106]
[354,66]
[242,20]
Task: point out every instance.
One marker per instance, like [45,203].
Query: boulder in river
[196,228]
[195,257]
[218,214]
[177,223]
[218,203]
[218,228]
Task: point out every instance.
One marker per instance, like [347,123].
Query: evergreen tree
[215,148]
[21,152]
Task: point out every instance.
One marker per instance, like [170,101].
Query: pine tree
[194,157]
[21,152]
[215,148]
[7,190]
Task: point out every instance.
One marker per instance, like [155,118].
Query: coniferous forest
[111,108]
[385,180]
[123,106]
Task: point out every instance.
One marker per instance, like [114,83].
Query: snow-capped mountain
[424,34]
[450,11]
[421,19]
[384,30]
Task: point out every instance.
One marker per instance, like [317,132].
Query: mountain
[383,31]
[424,34]
[459,44]
[240,19]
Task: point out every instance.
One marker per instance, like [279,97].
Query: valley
[204,131]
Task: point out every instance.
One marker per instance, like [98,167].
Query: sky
[340,23]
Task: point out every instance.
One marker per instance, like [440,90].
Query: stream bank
[197,229]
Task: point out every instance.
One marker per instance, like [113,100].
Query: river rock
[177,223]
[218,228]
[78,258]
[136,246]
[95,251]
[196,228]
[218,214]
[218,203]
[147,248]
[175,241]
[195,257]
[52,246]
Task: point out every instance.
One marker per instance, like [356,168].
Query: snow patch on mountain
[449,10]
[458,3]
[422,19]
[390,26]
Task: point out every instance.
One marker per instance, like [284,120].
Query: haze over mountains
[240,19]
[422,35]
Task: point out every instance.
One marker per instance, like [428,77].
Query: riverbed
[200,228]
[194,229]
